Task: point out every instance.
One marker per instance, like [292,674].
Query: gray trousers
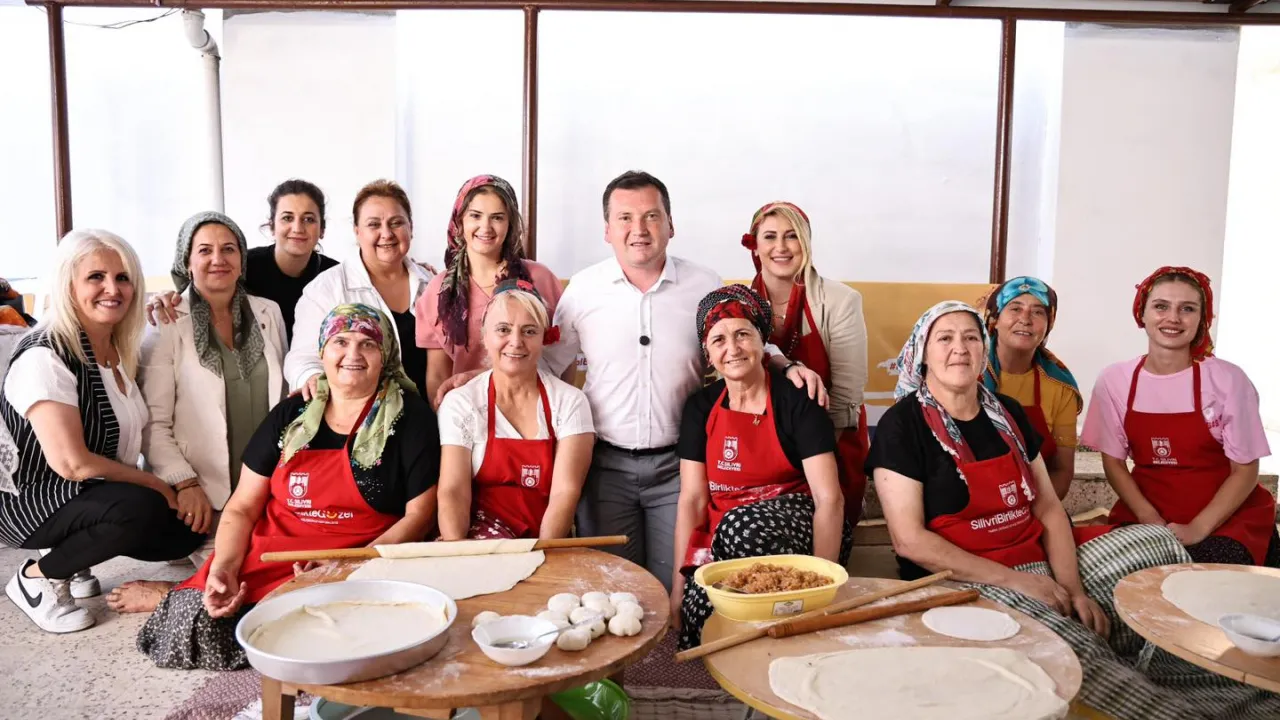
[636,497]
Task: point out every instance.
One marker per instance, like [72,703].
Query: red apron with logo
[852,445]
[997,524]
[314,504]
[745,464]
[511,491]
[1179,468]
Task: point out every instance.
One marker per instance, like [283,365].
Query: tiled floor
[96,673]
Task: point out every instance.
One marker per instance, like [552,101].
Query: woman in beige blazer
[817,322]
[209,379]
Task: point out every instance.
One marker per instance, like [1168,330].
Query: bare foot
[138,596]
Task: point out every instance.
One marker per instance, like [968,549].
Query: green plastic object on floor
[601,700]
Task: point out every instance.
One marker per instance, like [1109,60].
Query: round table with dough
[743,671]
[462,676]
[1142,605]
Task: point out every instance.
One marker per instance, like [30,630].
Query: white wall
[310,95]
[1144,158]
[1252,251]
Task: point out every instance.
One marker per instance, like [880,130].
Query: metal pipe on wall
[202,41]
[1004,138]
[61,142]
[529,160]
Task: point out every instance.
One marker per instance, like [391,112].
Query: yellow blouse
[1056,402]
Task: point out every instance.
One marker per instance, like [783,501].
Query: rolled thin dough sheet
[971,623]
[918,683]
[1207,595]
[458,577]
[451,549]
[348,629]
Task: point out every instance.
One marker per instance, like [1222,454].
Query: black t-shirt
[410,460]
[264,279]
[904,444]
[412,357]
[804,428]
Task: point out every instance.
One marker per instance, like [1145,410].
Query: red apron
[1035,416]
[851,446]
[1179,468]
[997,524]
[512,488]
[749,466]
[326,514]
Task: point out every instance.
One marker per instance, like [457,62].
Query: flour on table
[1207,595]
[458,577]
[971,623]
[918,683]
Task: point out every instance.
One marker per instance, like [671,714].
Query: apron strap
[1195,387]
[1133,386]
[493,412]
[1035,371]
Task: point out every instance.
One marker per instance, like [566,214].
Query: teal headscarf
[1045,361]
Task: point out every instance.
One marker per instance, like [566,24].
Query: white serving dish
[1244,631]
[514,627]
[355,669]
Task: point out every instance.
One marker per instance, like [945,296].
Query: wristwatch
[793,363]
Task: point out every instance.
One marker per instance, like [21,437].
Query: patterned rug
[658,686]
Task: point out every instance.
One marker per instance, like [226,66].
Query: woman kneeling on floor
[516,441]
[757,461]
[958,471]
[364,449]
[75,414]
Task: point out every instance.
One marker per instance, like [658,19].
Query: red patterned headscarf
[1202,346]
[749,239]
[734,301]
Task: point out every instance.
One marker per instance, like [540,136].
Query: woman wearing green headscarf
[354,466]
[209,379]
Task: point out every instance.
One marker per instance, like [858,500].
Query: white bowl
[1244,631]
[514,627]
[334,672]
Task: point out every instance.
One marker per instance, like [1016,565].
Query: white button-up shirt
[636,390]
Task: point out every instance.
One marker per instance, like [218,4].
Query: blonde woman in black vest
[76,416]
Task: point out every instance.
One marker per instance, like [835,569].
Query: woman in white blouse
[209,379]
[515,441]
[383,276]
[76,415]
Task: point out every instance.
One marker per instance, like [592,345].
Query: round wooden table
[462,676]
[743,671]
[1141,605]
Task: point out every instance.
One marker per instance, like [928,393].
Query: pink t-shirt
[1227,398]
[430,335]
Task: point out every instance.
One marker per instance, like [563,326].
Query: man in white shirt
[632,317]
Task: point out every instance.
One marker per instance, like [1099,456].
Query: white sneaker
[83,584]
[47,602]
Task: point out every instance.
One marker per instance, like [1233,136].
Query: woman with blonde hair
[818,323]
[75,412]
[516,440]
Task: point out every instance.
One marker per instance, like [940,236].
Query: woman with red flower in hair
[515,441]
[757,460]
[1191,424]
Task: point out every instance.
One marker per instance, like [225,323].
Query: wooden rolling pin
[364,553]
[787,628]
[756,633]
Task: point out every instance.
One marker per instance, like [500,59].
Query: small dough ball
[574,640]
[580,614]
[587,615]
[624,625]
[600,604]
[487,616]
[563,603]
[559,619]
[594,597]
[629,609]
[620,597]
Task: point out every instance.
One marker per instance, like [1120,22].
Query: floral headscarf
[1202,346]
[1045,361]
[387,402]
[910,368]
[248,340]
[455,289]
[734,301]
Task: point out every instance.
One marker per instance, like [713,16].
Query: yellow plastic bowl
[770,606]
